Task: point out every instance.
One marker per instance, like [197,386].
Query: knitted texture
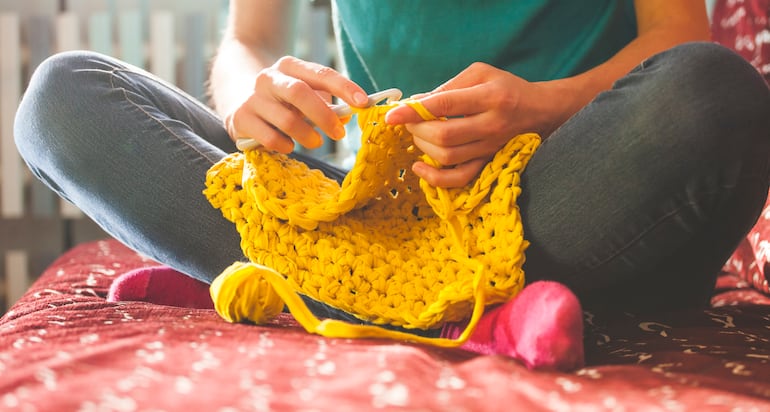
[384,245]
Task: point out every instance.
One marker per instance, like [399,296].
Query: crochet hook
[341,110]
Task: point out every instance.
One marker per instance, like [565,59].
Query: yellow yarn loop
[384,245]
[243,293]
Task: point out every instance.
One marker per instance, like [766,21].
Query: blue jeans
[636,201]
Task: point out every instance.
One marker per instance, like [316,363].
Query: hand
[288,100]
[485,107]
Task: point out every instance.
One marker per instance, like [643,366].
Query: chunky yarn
[384,245]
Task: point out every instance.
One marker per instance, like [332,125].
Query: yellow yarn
[384,246]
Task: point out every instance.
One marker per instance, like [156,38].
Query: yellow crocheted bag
[384,246]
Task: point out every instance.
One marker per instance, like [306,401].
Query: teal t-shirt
[416,45]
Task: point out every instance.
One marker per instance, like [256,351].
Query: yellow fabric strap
[384,246]
[248,291]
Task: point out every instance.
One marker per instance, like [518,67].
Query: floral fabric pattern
[743,26]
[750,260]
[64,347]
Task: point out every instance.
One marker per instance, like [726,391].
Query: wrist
[562,99]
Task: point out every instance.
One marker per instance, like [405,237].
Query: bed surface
[64,347]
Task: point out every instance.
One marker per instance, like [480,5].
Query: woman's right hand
[289,99]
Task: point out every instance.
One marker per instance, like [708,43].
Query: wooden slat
[16,274]
[41,238]
[162,47]
[100,33]
[194,59]
[67,32]
[130,37]
[39,36]
[11,176]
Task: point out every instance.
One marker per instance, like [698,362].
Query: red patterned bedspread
[63,347]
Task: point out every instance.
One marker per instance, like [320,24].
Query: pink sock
[161,285]
[542,327]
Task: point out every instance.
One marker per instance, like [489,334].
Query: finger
[308,103]
[249,125]
[458,102]
[476,73]
[451,156]
[265,119]
[325,78]
[458,176]
[293,124]
[326,96]
[450,103]
[314,109]
[455,131]
[471,79]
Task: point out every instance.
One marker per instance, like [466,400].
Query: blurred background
[174,39]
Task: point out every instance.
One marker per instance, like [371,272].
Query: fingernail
[389,116]
[360,99]
[339,132]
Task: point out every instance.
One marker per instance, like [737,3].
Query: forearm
[233,73]
[574,93]
[257,34]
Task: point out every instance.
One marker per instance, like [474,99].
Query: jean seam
[113,75]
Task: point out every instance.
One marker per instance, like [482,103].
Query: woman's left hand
[485,107]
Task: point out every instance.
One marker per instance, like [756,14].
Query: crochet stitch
[384,245]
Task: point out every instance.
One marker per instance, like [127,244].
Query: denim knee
[56,98]
[718,90]
[701,97]
[53,92]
